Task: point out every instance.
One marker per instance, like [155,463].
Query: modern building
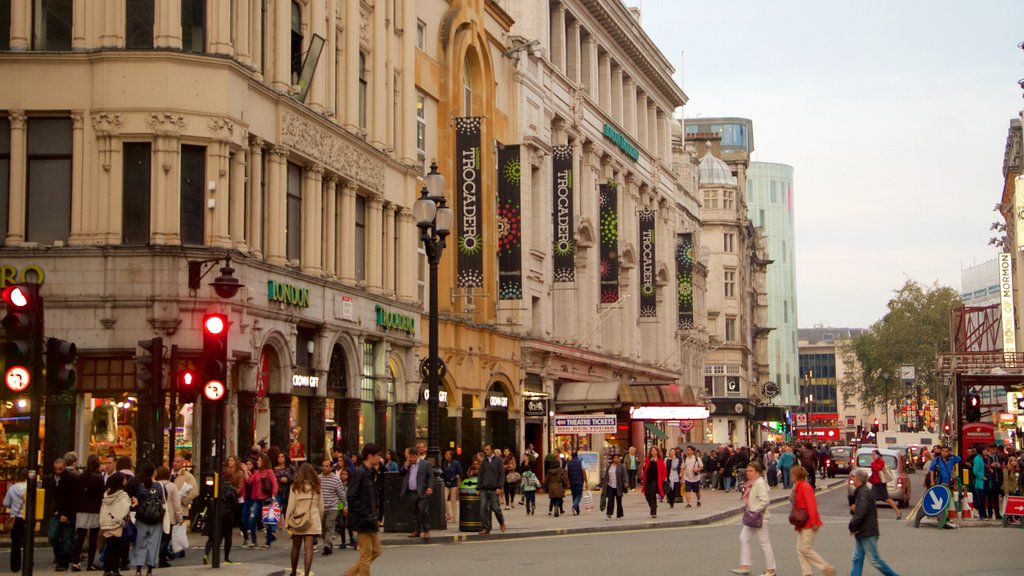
[734,135]
[146,139]
[770,203]
[979,284]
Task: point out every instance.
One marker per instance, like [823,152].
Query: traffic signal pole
[36,389]
[172,417]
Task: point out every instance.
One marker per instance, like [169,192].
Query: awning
[613,393]
[655,430]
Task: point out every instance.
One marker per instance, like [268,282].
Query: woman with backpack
[228,502]
[114,509]
[264,489]
[305,511]
[150,506]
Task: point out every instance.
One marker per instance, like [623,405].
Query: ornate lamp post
[434,220]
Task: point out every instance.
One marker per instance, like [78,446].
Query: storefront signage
[510,217]
[287,294]
[621,141]
[684,281]
[11,275]
[668,412]
[593,424]
[1007,420]
[305,381]
[442,396]
[390,320]
[346,307]
[1006,299]
[499,401]
[685,425]
[535,408]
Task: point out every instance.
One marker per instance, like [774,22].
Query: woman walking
[879,488]
[555,482]
[264,489]
[756,500]
[771,463]
[150,504]
[14,502]
[512,478]
[451,473]
[305,511]
[114,509]
[87,520]
[805,502]
[172,514]
[234,474]
[284,474]
[652,479]
[228,500]
[675,468]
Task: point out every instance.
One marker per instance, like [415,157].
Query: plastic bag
[179,538]
[588,500]
[272,513]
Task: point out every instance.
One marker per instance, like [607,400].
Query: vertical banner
[469,183]
[609,244]
[561,210]
[648,287]
[1006,302]
[684,280]
[510,246]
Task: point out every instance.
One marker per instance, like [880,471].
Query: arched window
[467,89]
[362,91]
[296,42]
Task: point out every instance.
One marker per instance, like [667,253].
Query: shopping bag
[588,500]
[604,500]
[179,538]
[272,513]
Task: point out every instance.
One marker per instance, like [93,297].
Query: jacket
[661,475]
[786,460]
[90,492]
[864,523]
[305,512]
[577,475]
[555,482]
[255,480]
[757,497]
[622,480]
[362,500]
[492,473]
[182,479]
[63,493]
[803,498]
[113,511]
[978,468]
[423,478]
[451,472]
[172,509]
[809,459]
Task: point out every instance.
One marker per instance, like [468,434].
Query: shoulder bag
[797,516]
[885,475]
[266,485]
[752,518]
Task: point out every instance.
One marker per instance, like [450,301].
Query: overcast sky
[894,115]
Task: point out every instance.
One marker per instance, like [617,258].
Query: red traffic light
[17,297]
[974,400]
[875,422]
[17,379]
[187,377]
[214,324]
[214,390]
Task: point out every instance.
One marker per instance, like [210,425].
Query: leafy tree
[913,332]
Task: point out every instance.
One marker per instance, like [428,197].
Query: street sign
[801,419]
[1013,506]
[935,500]
[593,424]
[685,425]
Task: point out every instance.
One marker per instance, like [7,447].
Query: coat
[362,500]
[305,512]
[865,513]
[662,474]
[113,511]
[555,482]
[423,478]
[622,478]
[803,498]
[182,479]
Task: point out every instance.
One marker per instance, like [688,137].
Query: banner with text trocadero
[609,244]
[562,200]
[648,286]
[684,279]
[469,187]
[510,247]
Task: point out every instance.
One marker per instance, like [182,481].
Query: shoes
[698,503]
[327,552]
[899,515]
[607,517]
[414,534]
[951,526]
[503,528]
[549,512]
[76,567]
[93,568]
[688,506]
[484,532]
[264,546]
[829,571]
[426,536]
[164,564]
[740,571]
[206,559]
[556,513]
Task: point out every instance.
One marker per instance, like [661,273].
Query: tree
[913,332]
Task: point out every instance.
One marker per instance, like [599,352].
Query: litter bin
[469,507]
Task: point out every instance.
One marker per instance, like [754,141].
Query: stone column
[349,422]
[380,419]
[652,127]
[389,249]
[166,196]
[256,39]
[79,41]
[21,27]
[374,247]
[246,414]
[350,120]
[405,424]
[616,99]
[604,80]
[242,48]
[60,428]
[167,24]
[331,232]
[376,99]
[558,37]
[641,119]
[312,192]
[317,96]
[405,271]
[588,63]
[236,217]
[218,28]
[332,47]
[277,206]
[78,224]
[347,230]
[315,449]
[629,106]
[217,171]
[280,420]
[282,76]
[17,190]
[254,185]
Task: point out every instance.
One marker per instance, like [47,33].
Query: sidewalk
[716,505]
[234,569]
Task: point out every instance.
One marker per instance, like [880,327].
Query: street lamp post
[434,220]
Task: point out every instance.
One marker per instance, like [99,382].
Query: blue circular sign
[936,499]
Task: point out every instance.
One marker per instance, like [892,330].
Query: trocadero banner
[609,244]
[684,280]
[648,287]
[561,210]
[510,247]
[469,185]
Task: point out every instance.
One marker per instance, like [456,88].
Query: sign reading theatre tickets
[581,425]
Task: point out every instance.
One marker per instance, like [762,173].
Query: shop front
[731,421]
[499,428]
[668,425]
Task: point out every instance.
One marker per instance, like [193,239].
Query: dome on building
[713,171]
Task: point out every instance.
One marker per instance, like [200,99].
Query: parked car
[899,488]
[840,459]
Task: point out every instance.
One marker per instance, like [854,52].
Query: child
[530,483]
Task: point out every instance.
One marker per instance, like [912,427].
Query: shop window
[193,178]
[193,25]
[138,34]
[367,426]
[49,180]
[5,24]
[293,232]
[138,159]
[360,238]
[52,25]
[5,174]
[296,42]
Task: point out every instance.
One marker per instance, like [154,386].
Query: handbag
[512,477]
[129,532]
[752,518]
[885,475]
[797,516]
[272,513]
[588,500]
[266,485]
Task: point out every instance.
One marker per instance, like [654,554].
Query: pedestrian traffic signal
[215,357]
[874,425]
[973,413]
[187,387]
[59,355]
[23,326]
[945,428]
[150,368]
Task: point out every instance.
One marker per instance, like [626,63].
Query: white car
[899,488]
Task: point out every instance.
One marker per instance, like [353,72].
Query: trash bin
[469,507]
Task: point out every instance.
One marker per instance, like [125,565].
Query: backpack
[151,504]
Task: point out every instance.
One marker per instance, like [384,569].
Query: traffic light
[59,354]
[23,326]
[945,428]
[215,357]
[874,426]
[973,413]
[186,387]
[150,369]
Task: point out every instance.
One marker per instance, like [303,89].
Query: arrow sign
[1013,505]
[936,499]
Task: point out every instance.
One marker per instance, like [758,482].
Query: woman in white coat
[755,496]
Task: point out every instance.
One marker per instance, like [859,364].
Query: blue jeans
[62,539]
[255,518]
[577,495]
[727,481]
[785,478]
[870,544]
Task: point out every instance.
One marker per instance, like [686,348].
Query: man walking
[692,468]
[490,479]
[786,461]
[809,460]
[631,467]
[181,479]
[577,481]
[60,487]
[416,491]
[362,510]
[943,471]
[864,527]
[331,489]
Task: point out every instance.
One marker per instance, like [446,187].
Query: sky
[894,115]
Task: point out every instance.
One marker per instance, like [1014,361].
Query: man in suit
[416,489]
